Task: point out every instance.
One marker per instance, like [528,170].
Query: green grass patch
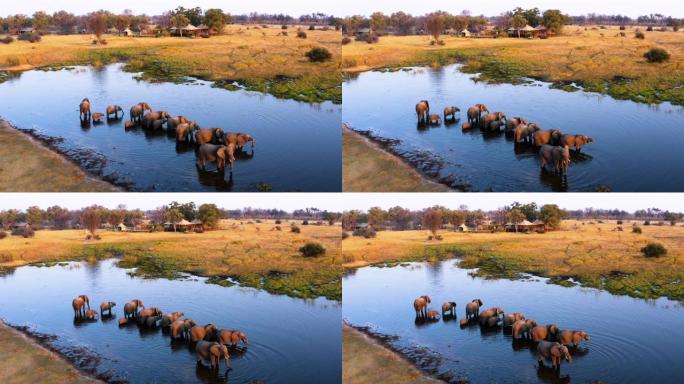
[323,281]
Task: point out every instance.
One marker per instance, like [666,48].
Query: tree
[515,216]
[401,22]
[179,21]
[188,210]
[458,217]
[353,24]
[517,22]
[97,23]
[432,220]
[672,217]
[174,216]
[434,23]
[122,22]
[554,20]
[349,220]
[379,22]
[41,21]
[529,210]
[209,214]
[64,21]
[90,219]
[193,15]
[376,216]
[215,19]
[58,216]
[34,216]
[531,15]
[399,216]
[551,215]
[461,22]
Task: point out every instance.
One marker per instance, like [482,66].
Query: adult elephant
[514,122]
[151,321]
[522,328]
[79,305]
[450,112]
[492,117]
[184,131]
[170,318]
[209,136]
[553,351]
[131,308]
[576,141]
[208,332]
[484,316]
[232,337]
[216,153]
[475,113]
[107,307]
[547,332]
[547,136]
[423,110]
[449,309]
[148,312]
[573,337]
[181,328]
[420,305]
[137,111]
[239,139]
[114,110]
[524,132]
[511,318]
[558,157]
[472,309]
[213,352]
[84,110]
[173,122]
[151,117]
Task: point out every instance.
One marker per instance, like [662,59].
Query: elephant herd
[554,146]
[212,145]
[551,342]
[210,342]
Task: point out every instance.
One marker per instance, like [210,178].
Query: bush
[636,229]
[647,222]
[367,232]
[372,39]
[278,222]
[318,54]
[278,228]
[3,234]
[619,222]
[657,55]
[622,28]
[7,40]
[295,229]
[312,250]
[344,235]
[639,35]
[649,28]
[284,33]
[30,37]
[301,34]
[283,27]
[312,28]
[346,40]
[654,250]
[305,222]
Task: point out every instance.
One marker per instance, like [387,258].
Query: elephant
[170,318]
[576,141]
[107,306]
[208,332]
[232,337]
[491,117]
[514,122]
[432,315]
[449,308]
[90,314]
[239,139]
[420,305]
[173,122]
[181,328]
[475,113]
[184,131]
[547,332]
[148,312]
[114,110]
[138,110]
[434,119]
[209,136]
[123,322]
[492,321]
[554,351]
[422,110]
[128,124]
[473,308]
[151,117]
[466,126]
[451,112]
[524,132]
[97,116]
[483,317]
[522,328]
[464,322]
[511,318]
[84,110]
[151,321]
[495,126]
[559,157]
[547,136]
[213,352]
[131,308]
[79,306]
[573,337]
[217,153]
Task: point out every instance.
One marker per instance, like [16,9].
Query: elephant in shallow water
[131,308]
[420,305]
[511,318]
[151,117]
[524,132]
[573,337]
[475,113]
[422,110]
[576,141]
[547,136]
[547,332]
[450,112]
[232,337]
[213,352]
[473,308]
[148,312]
[84,110]
[434,119]
[514,122]
[170,318]
[209,136]
[449,309]
[114,110]
[432,315]
[174,122]
[492,117]
[79,305]
[184,131]
[181,328]
[137,111]
[239,139]
[208,332]
[107,307]
[554,351]
[484,316]
[522,328]
[216,153]
[90,314]
[97,117]
[558,157]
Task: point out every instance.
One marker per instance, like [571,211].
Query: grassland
[254,254]
[256,58]
[25,164]
[598,60]
[24,361]
[589,253]
[366,362]
[368,168]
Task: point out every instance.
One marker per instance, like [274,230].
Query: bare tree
[435,24]
[432,220]
[97,23]
[90,219]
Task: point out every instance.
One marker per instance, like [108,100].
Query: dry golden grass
[24,361]
[368,168]
[589,56]
[366,362]
[26,163]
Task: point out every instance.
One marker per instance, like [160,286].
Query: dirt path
[25,361]
[28,166]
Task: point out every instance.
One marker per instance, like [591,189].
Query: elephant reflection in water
[212,376]
[216,179]
[551,375]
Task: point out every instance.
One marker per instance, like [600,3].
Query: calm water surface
[290,340]
[298,144]
[637,147]
[632,340]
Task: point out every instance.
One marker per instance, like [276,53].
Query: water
[636,147]
[298,144]
[290,340]
[632,340]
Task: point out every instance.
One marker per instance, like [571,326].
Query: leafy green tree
[531,16]
[379,22]
[399,216]
[188,210]
[434,23]
[174,216]
[554,20]
[90,219]
[551,215]
[65,21]
[180,21]
[209,214]
[401,22]
[516,216]
[517,22]
[41,21]
[215,19]
[349,219]
[376,216]
[34,216]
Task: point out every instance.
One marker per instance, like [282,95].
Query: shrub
[30,37]
[312,28]
[312,250]
[278,228]
[284,33]
[301,34]
[654,250]
[649,28]
[372,39]
[345,235]
[305,222]
[283,27]
[367,232]
[647,222]
[619,222]
[657,55]
[636,229]
[278,222]
[639,35]
[7,40]
[3,234]
[295,229]
[318,54]
[622,28]
[346,40]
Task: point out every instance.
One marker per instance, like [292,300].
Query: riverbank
[255,58]
[368,168]
[597,60]
[588,253]
[26,361]
[365,361]
[26,162]
[253,254]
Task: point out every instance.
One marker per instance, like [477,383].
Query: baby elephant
[213,352]
[97,117]
[573,337]
[434,120]
[217,153]
[449,309]
[107,307]
[554,351]
[433,315]
[91,314]
[170,318]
